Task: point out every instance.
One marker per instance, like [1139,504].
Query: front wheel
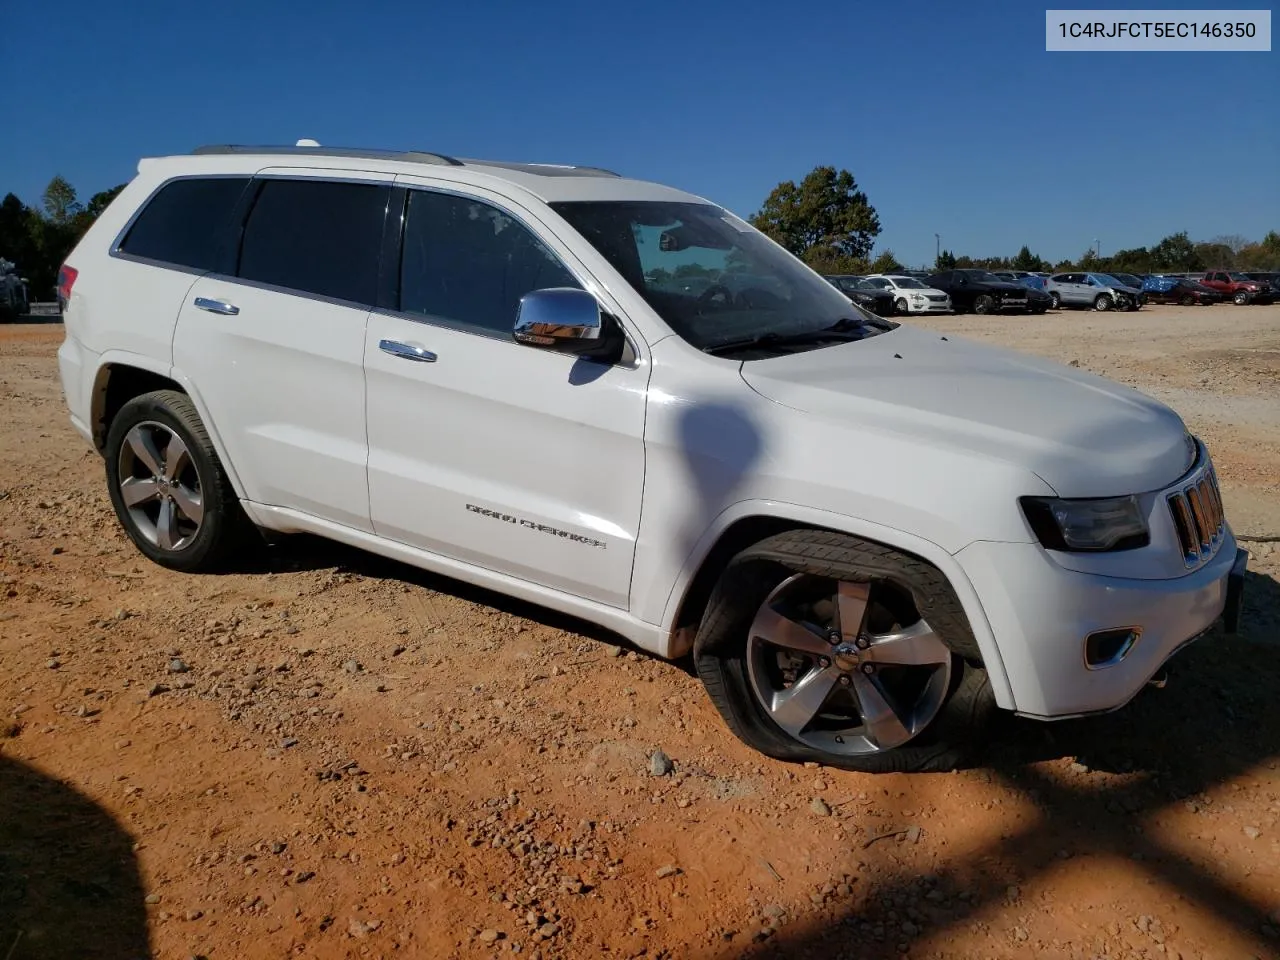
[984,304]
[901,305]
[820,647]
[1103,303]
[1241,298]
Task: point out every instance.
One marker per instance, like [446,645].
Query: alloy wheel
[159,486]
[846,667]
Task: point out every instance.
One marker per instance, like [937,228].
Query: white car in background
[911,295]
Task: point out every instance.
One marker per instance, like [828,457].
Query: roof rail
[414,156]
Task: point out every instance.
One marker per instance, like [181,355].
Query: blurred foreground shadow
[69,882]
[1216,720]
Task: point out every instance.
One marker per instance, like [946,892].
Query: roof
[550,182]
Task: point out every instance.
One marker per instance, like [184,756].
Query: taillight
[66,280]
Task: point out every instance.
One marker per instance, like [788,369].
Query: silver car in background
[1098,291]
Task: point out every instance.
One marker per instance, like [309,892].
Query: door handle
[217,306]
[406,351]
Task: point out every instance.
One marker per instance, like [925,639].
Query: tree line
[38,239]
[828,222]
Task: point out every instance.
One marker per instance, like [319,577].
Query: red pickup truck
[1240,287]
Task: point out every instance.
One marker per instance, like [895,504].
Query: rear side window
[186,222]
[316,237]
[468,262]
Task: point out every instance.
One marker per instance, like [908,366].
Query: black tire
[1055,301]
[720,649]
[1188,301]
[1241,298]
[984,304]
[224,532]
[901,305]
[1103,303]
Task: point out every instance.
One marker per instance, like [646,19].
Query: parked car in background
[1270,277]
[14,300]
[1038,299]
[1180,290]
[1129,280]
[1013,276]
[866,295]
[911,295]
[1239,288]
[1095,290]
[979,291]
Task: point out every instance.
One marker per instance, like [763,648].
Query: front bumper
[1041,614]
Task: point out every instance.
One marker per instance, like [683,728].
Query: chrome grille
[1198,517]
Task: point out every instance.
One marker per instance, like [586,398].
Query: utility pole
[937,248]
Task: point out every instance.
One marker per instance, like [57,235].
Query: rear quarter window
[185,222]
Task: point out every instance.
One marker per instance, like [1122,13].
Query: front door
[515,459]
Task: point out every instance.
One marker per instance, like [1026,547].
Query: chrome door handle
[217,306]
[406,351]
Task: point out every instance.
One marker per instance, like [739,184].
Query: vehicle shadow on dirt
[1215,720]
[70,887]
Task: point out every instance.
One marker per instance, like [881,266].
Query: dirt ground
[330,755]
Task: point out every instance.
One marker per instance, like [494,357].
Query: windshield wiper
[846,328]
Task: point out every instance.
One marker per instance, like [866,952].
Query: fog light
[1106,648]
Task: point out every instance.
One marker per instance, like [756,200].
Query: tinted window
[316,237]
[185,222]
[468,262]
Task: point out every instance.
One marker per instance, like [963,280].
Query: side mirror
[567,320]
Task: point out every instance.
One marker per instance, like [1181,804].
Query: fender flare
[124,358]
[801,515]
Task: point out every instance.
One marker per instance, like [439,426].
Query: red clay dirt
[331,755]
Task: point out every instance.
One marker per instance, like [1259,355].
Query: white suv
[623,402]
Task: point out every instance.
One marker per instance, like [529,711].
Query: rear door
[274,345]
[521,461]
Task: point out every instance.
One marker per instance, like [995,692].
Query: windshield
[1239,276]
[712,277]
[909,283]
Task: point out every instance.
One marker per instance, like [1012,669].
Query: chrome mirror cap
[557,315]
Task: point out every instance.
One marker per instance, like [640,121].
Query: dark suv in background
[980,291]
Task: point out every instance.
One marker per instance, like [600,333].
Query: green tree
[59,199]
[1026,260]
[1137,260]
[885,263]
[946,261]
[1176,252]
[826,220]
[100,201]
[1263,255]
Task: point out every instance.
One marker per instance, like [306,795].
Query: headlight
[1087,525]
[918,297]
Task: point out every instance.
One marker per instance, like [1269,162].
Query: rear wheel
[168,487]
[820,647]
[1055,301]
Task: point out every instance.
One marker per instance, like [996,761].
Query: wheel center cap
[846,656]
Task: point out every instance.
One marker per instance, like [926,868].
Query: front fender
[801,515]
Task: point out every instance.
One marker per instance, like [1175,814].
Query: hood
[1084,435]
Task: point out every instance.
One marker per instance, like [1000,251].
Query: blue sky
[952,117]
